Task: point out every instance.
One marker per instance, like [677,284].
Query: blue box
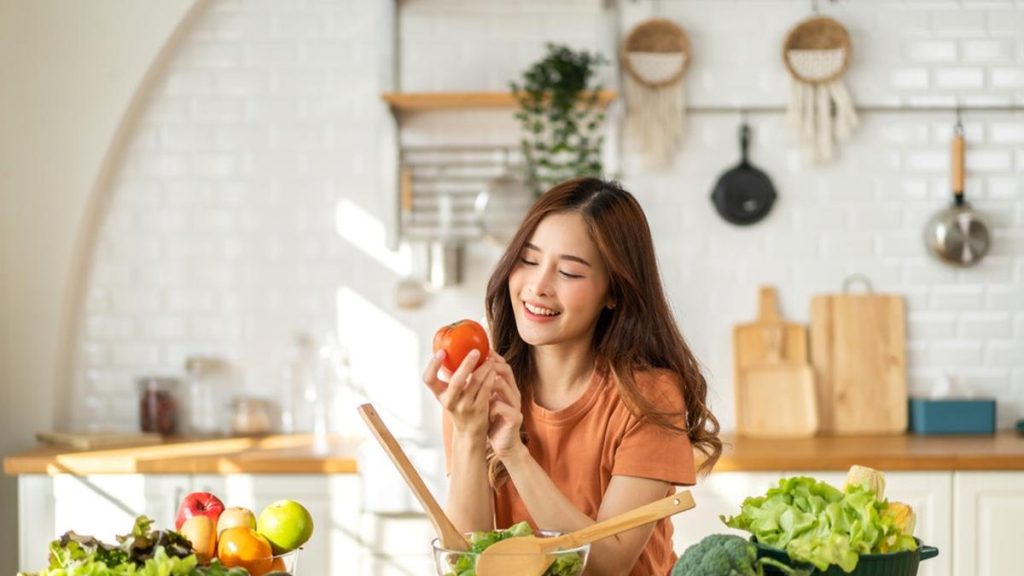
[952,416]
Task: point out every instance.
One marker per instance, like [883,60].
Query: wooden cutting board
[776,400]
[751,342]
[773,382]
[858,350]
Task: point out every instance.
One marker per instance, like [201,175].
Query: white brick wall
[221,232]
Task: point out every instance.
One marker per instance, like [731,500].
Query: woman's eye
[568,275]
[527,262]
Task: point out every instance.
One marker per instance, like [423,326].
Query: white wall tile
[220,237]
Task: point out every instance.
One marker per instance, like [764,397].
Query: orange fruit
[241,546]
[278,565]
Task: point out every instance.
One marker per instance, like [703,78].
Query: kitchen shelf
[426,101]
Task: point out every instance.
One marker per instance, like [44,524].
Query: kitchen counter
[293,454]
[909,452]
[278,454]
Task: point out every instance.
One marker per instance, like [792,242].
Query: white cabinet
[721,493]
[333,501]
[106,505]
[99,505]
[988,509]
[971,517]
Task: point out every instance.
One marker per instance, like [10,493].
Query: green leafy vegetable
[465,564]
[817,523]
[726,555]
[141,552]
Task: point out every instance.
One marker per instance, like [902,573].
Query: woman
[591,403]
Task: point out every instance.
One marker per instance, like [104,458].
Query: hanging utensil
[957,235]
[449,536]
[409,293]
[743,195]
[501,205]
[530,555]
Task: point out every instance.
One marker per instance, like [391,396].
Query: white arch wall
[72,73]
[219,236]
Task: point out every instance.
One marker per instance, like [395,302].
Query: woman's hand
[506,413]
[466,394]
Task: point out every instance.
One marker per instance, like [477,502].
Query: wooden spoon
[449,536]
[530,555]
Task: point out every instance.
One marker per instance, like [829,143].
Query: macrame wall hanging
[655,56]
[816,53]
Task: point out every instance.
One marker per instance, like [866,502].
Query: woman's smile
[538,313]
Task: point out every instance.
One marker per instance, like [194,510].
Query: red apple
[198,504]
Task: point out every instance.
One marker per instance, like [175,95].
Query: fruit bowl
[567,562]
[286,562]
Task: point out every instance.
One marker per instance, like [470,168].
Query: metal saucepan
[744,194]
[957,235]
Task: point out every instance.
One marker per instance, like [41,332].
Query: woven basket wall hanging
[655,56]
[817,52]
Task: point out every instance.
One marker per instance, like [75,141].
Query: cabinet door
[721,493]
[333,501]
[107,505]
[930,494]
[100,505]
[988,509]
[35,520]
[398,544]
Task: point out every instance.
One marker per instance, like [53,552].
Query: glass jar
[208,380]
[158,404]
[252,416]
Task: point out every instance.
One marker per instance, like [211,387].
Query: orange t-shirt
[596,437]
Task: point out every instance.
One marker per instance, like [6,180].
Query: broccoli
[727,555]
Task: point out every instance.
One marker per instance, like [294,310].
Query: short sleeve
[648,450]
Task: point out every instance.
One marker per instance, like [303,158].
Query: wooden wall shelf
[424,101]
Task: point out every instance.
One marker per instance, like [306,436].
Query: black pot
[895,564]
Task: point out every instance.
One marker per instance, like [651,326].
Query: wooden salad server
[530,555]
[449,536]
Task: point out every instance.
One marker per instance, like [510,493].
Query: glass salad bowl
[567,562]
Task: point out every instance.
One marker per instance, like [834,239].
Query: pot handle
[958,163]
[929,552]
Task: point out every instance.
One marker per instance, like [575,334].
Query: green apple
[286,524]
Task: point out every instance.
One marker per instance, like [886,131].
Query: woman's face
[560,284]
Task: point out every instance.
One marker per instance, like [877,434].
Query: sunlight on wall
[369,234]
[384,357]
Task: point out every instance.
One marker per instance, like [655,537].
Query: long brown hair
[639,333]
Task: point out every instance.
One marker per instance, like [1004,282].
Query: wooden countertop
[281,454]
[910,452]
[294,455]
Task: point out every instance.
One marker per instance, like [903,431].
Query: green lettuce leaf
[817,523]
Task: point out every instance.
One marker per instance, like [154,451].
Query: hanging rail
[864,108]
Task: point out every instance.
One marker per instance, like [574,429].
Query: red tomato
[457,339]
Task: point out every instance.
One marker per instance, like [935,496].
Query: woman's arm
[465,399]
[550,509]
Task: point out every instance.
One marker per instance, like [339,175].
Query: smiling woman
[590,403]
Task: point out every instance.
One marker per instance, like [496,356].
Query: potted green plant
[560,117]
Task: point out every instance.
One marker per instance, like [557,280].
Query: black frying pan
[743,195]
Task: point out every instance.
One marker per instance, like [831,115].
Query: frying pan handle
[958,166]
[744,141]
